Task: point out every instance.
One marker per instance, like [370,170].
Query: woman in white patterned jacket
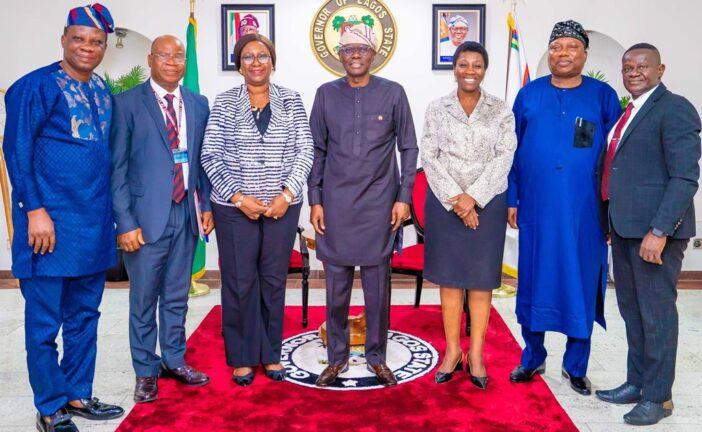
[257,153]
[467,150]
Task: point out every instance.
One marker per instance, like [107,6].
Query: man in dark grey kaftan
[359,198]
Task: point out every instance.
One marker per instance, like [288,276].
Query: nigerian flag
[192,82]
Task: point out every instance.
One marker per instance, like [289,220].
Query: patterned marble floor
[114,378]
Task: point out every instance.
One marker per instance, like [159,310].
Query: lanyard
[168,114]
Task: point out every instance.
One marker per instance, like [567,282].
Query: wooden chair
[300,263]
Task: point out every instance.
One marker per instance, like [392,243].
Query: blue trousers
[70,304]
[575,358]
[159,276]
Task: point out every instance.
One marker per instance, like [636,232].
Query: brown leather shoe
[146,389]
[186,375]
[330,373]
[383,374]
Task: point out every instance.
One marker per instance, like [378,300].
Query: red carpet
[419,405]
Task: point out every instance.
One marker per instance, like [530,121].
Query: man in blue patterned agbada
[56,146]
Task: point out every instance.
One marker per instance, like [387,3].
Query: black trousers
[254,258]
[376,297]
[646,295]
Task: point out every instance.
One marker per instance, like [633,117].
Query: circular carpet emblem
[304,358]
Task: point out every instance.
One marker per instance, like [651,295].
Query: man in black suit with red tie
[649,179]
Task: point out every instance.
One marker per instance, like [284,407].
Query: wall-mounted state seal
[335,16]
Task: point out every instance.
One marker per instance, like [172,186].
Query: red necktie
[173,138]
[613,149]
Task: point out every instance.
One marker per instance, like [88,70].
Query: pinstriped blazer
[237,158]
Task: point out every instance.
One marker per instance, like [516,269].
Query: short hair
[644,46]
[245,40]
[471,46]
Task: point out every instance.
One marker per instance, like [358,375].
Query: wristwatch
[240,201]
[658,233]
[287,196]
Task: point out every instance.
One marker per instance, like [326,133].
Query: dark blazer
[655,169]
[142,161]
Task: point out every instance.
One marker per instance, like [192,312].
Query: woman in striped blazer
[257,153]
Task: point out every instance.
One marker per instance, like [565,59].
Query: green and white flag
[191,80]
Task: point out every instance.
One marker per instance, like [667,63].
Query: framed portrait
[453,24]
[241,19]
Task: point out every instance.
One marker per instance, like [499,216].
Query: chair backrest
[419,195]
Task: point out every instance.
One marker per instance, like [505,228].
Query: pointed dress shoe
[520,374]
[648,413]
[186,375]
[479,381]
[624,394]
[93,409]
[244,380]
[580,385]
[146,389]
[330,374]
[442,377]
[383,374]
[60,421]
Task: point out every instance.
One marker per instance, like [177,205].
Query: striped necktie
[174,140]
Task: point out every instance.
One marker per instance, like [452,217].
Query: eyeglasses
[178,58]
[262,58]
[350,50]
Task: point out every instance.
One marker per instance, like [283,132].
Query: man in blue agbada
[56,146]
[562,122]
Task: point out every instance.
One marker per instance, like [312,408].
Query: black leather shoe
[383,374]
[244,380]
[146,389]
[624,394]
[275,375]
[479,381]
[648,413]
[442,377]
[330,374]
[185,375]
[93,409]
[520,374]
[60,422]
[579,384]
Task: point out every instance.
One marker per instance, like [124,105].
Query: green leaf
[368,20]
[599,75]
[338,21]
[111,84]
[133,78]
[624,101]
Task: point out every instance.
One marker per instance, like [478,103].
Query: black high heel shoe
[480,382]
[442,377]
[275,375]
[243,380]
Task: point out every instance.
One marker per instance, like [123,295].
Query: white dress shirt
[182,129]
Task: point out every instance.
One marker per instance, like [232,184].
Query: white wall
[669,26]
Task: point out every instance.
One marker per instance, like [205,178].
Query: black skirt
[460,257]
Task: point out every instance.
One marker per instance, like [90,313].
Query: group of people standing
[158,165]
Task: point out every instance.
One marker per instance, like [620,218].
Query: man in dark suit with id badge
[562,122]
[161,202]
